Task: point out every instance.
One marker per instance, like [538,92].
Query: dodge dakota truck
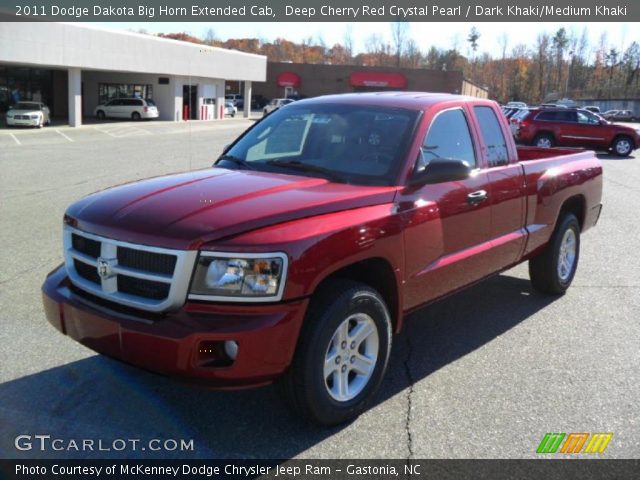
[296,256]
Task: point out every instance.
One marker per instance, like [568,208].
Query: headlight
[35,117]
[230,277]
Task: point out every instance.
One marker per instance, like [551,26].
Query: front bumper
[13,122]
[171,345]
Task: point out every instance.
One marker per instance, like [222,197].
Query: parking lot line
[15,139]
[105,132]
[65,136]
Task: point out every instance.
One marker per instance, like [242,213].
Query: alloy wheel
[351,357]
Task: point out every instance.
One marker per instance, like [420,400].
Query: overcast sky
[442,35]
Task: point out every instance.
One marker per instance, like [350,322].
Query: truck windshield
[344,143]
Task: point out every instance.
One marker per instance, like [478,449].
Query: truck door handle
[478,196]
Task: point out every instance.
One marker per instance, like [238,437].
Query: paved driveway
[485,373]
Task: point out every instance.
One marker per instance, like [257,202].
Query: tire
[135,116]
[100,115]
[315,389]
[622,146]
[544,140]
[553,270]
[264,112]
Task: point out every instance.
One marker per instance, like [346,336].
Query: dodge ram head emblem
[104,268]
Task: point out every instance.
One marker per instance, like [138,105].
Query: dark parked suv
[549,127]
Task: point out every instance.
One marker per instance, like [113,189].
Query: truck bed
[526,153]
[554,176]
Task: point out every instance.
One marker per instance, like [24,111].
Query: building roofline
[157,38]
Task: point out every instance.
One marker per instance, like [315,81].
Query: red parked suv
[548,127]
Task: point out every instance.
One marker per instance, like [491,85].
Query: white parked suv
[133,108]
[275,104]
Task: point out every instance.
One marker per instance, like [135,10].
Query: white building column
[75,97]
[247,99]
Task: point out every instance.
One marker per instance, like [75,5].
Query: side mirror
[440,170]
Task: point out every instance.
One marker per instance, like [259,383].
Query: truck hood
[186,210]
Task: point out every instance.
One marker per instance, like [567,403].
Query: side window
[588,118]
[492,135]
[549,116]
[449,137]
[568,116]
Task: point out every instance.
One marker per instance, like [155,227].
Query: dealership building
[309,80]
[73,68]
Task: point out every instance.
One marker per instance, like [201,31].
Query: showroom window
[109,91]
[24,83]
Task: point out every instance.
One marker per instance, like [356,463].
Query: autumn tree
[399,33]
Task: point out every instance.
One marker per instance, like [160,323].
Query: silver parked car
[275,104]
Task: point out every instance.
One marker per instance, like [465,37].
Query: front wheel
[553,270]
[622,146]
[342,354]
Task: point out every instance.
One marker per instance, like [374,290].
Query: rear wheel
[622,146]
[544,140]
[135,116]
[342,354]
[553,270]
[100,115]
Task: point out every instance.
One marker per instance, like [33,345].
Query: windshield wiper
[237,161]
[306,167]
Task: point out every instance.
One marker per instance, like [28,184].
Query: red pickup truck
[298,255]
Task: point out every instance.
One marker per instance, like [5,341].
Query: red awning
[288,79]
[378,79]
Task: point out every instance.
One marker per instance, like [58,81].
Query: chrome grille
[139,276]
[147,261]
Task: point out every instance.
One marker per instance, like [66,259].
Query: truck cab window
[448,137]
[493,137]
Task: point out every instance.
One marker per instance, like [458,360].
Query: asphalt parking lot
[483,374]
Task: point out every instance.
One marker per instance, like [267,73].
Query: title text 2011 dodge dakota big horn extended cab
[297,256]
